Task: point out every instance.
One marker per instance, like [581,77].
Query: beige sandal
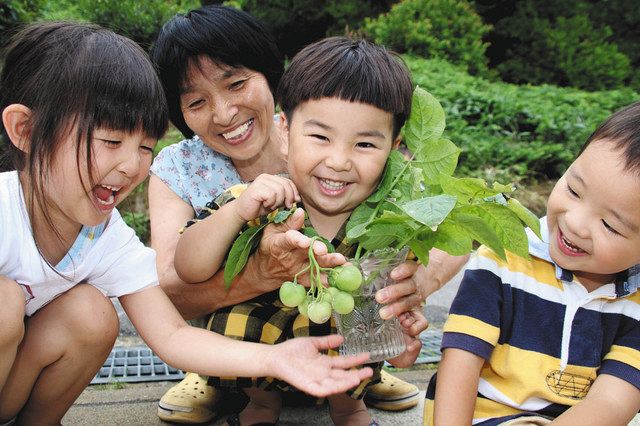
[392,394]
[190,401]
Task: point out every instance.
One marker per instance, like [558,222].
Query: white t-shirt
[115,262]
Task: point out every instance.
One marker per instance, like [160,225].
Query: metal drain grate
[135,364]
[128,364]
[430,351]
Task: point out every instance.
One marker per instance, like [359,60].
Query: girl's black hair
[225,35]
[623,129]
[76,76]
[352,70]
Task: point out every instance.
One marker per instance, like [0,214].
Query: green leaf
[283,215]
[376,240]
[360,216]
[441,157]
[467,189]
[430,211]
[311,232]
[506,225]
[425,123]
[421,250]
[453,239]
[478,229]
[525,215]
[394,166]
[240,251]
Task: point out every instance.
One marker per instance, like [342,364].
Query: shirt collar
[628,283]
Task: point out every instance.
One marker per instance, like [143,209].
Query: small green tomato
[331,292]
[343,303]
[292,294]
[346,278]
[303,307]
[319,312]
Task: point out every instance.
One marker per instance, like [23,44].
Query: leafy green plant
[420,204]
[138,20]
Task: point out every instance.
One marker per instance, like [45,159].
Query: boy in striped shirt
[555,336]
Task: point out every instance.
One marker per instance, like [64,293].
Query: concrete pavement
[135,403]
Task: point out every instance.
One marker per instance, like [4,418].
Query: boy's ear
[396,143]
[284,132]
[16,119]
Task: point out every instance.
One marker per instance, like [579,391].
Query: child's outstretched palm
[265,194]
[300,364]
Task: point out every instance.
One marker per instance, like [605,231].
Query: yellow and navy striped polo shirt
[543,336]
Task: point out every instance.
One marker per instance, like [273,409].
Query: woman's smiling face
[230,109]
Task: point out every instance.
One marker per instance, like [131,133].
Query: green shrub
[15,12]
[138,20]
[296,23]
[447,29]
[623,17]
[519,132]
[559,44]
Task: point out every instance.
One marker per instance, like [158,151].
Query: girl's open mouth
[106,196]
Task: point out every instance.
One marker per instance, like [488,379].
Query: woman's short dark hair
[226,35]
[348,69]
[623,129]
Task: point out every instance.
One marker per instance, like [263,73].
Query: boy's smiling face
[593,215]
[336,153]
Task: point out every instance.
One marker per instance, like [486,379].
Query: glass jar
[363,329]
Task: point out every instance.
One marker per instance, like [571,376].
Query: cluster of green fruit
[318,302]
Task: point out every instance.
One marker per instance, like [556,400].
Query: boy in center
[344,102]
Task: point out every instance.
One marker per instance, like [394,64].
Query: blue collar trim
[627,283]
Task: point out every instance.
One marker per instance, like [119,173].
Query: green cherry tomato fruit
[319,312]
[303,307]
[331,292]
[291,294]
[346,278]
[343,303]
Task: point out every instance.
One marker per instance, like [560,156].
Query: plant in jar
[418,204]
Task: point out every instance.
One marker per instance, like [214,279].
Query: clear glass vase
[363,329]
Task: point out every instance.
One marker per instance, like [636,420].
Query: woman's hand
[404,295]
[283,252]
[414,283]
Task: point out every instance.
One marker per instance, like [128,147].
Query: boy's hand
[299,362]
[265,194]
[409,321]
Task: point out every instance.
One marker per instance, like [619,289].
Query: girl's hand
[299,362]
[410,321]
[265,194]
